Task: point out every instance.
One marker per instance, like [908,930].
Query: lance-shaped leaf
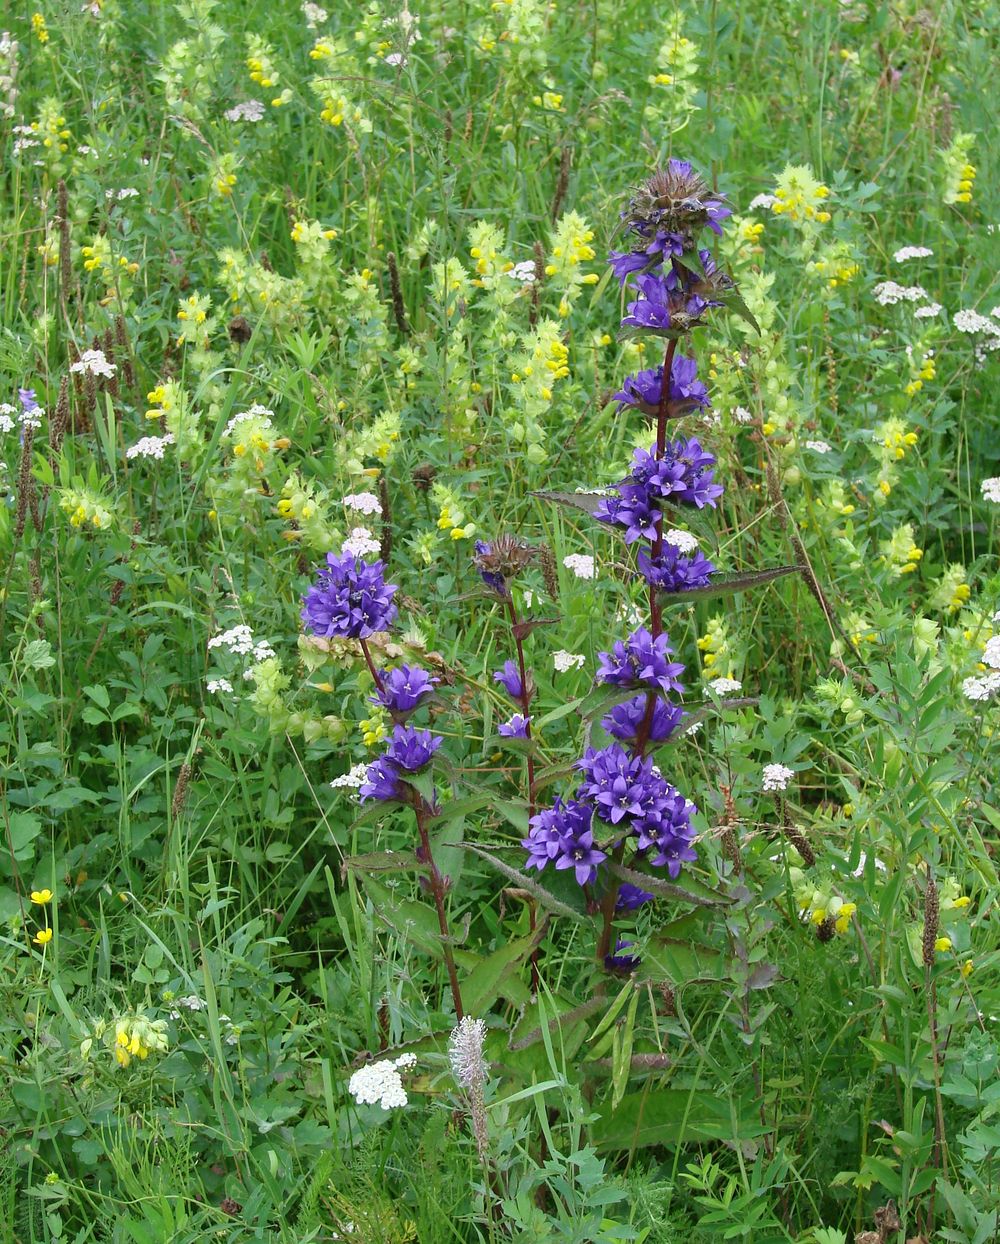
[684,888]
[381,862]
[732,300]
[585,501]
[728,584]
[525,882]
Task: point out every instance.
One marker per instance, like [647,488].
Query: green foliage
[392,284]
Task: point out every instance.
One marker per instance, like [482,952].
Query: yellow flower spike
[41,896]
[42,937]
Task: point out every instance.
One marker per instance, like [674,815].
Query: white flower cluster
[363,502]
[929,312]
[582,565]
[239,641]
[912,252]
[380,1083]
[360,543]
[888,293]
[969,321]
[523,271]
[314,15]
[6,420]
[256,411]
[94,363]
[190,1002]
[765,201]
[564,661]
[219,686]
[818,447]
[991,489]
[981,688]
[31,418]
[150,446]
[723,686]
[777,777]
[118,196]
[991,653]
[742,415]
[683,541]
[249,110]
[354,777]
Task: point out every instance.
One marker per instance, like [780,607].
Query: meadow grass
[387,277]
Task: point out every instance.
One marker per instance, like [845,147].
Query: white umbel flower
[776,777]
[990,489]
[932,310]
[991,653]
[218,686]
[354,777]
[979,689]
[968,321]
[564,660]
[149,446]
[94,363]
[380,1083]
[912,252]
[360,542]
[819,447]
[581,564]
[683,541]
[888,293]
[723,686]
[363,502]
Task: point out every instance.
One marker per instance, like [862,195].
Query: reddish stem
[525,700]
[437,885]
[371,665]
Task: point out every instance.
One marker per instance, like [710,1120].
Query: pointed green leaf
[728,584]
[684,888]
[526,882]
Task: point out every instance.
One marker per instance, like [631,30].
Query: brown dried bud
[549,573]
[239,330]
[562,181]
[503,558]
[398,308]
[675,199]
[827,930]
[180,790]
[931,913]
[423,476]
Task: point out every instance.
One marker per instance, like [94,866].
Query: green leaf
[728,584]
[684,888]
[381,862]
[524,882]
[675,1116]
[732,300]
[585,501]
[486,980]
[37,655]
[416,922]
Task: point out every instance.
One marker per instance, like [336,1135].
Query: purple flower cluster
[625,720]
[515,728]
[350,599]
[409,751]
[645,389]
[404,689]
[631,798]
[670,571]
[641,661]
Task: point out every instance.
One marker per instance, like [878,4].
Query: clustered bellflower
[624,810]
[350,599]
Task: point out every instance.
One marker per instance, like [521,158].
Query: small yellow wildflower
[42,937]
[39,28]
[41,896]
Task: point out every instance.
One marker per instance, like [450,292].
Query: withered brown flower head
[675,199]
[502,559]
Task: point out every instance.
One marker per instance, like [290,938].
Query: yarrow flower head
[776,777]
[95,363]
[350,599]
[403,689]
[581,564]
[380,1083]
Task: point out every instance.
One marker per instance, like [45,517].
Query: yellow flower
[42,937]
[942,944]
[41,896]
[966,968]
[38,26]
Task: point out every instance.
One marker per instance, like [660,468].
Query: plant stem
[421,809]
[371,665]
[525,700]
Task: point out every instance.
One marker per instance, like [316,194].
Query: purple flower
[28,400]
[630,510]
[619,962]
[516,728]
[630,897]
[643,390]
[641,661]
[510,679]
[695,462]
[403,689]
[659,478]
[652,308]
[619,784]
[492,578]
[625,720]
[671,571]
[381,781]
[668,832]
[662,245]
[677,199]
[349,600]
[562,834]
[411,748]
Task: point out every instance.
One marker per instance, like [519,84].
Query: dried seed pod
[180,790]
[398,309]
[931,914]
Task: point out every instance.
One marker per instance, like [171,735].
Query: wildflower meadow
[499,622]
